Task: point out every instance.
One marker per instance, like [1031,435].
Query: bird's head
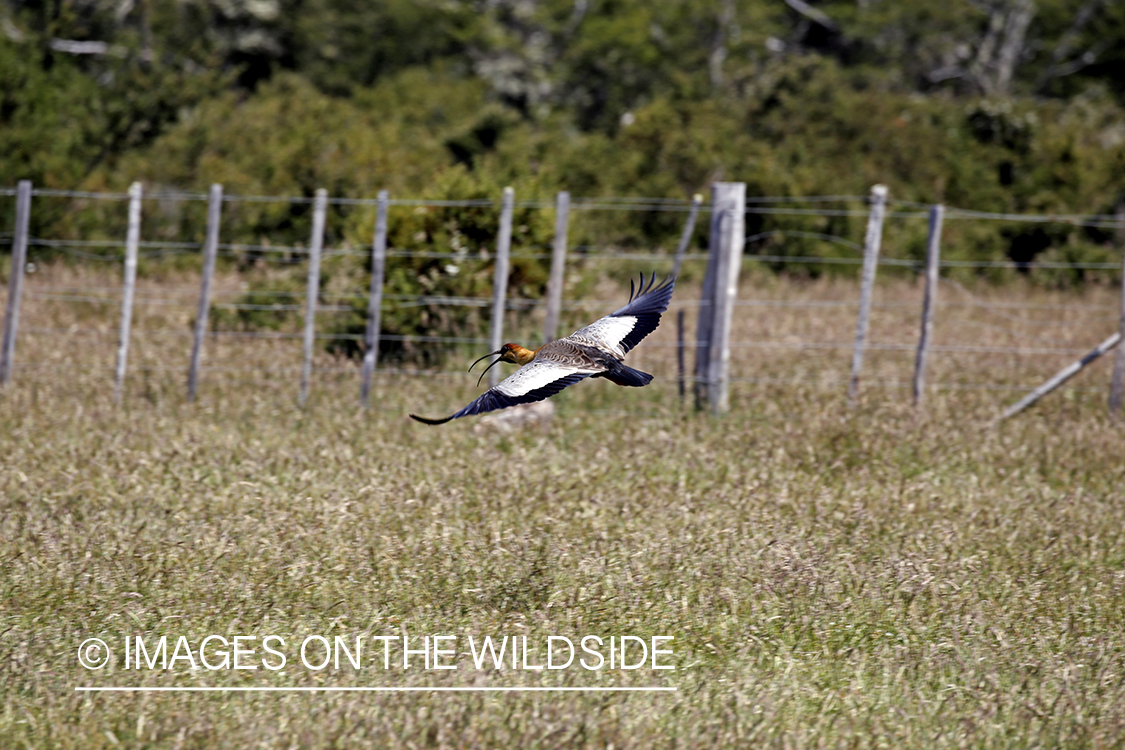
[513,353]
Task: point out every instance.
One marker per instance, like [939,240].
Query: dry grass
[832,577]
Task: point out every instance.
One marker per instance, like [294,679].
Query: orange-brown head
[513,353]
[516,354]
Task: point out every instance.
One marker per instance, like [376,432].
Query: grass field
[831,576]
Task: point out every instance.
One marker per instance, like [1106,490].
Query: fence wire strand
[997,315]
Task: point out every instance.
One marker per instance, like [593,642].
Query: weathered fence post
[558,268]
[706,317]
[500,278]
[1061,377]
[132,243]
[703,332]
[210,252]
[728,234]
[703,327]
[929,301]
[1117,383]
[685,237]
[375,301]
[680,370]
[312,290]
[871,244]
[15,280]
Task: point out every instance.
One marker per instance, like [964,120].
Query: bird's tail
[625,375]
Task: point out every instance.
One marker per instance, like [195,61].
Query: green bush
[448,251]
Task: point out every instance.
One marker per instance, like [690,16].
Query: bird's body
[594,351]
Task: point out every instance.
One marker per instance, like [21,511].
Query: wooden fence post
[558,268]
[706,317]
[210,252]
[1061,377]
[312,290]
[680,372]
[132,244]
[15,280]
[703,327]
[728,234]
[375,301]
[1117,383]
[870,263]
[685,237]
[929,301]
[500,278]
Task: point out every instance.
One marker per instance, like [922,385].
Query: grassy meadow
[832,576]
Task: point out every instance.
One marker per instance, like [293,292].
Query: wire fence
[73,315]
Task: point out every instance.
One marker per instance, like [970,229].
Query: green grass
[832,576]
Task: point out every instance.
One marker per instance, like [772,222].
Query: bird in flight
[595,351]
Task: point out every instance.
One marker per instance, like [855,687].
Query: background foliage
[1000,105]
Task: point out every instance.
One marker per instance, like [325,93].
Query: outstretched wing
[534,381]
[620,331]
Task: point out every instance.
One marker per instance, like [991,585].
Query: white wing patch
[537,374]
[606,333]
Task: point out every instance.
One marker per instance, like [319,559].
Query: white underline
[138,689]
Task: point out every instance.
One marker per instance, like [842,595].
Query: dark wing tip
[650,289]
[647,304]
[424,420]
[637,290]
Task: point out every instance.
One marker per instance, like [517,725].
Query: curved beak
[487,369]
[490,354]
[474,364]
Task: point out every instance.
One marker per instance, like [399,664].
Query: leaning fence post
[15,280]
[1117,384]
[210,251]
[500,278]
[312,290]
[375,301]
[728,231]
[558,267]
[685,237]
[929,301]
[1061,377]
[132,243]
[870,263]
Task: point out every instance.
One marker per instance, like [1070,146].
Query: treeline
[994,105]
